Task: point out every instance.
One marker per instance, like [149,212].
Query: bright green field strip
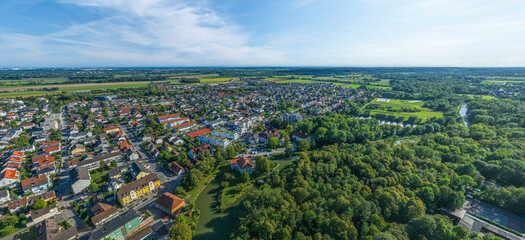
[216,80]
[511,78]
[398,104]
[105,86]
[482,96]
[422,114]
[298,81]
[375,87]
[496,82]
[24,94]
[352,86]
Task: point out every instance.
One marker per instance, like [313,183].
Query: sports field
[401,108]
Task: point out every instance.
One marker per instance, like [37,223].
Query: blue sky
[120,33]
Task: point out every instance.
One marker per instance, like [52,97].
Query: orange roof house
[199,132]
[11,174]
[170,203]
[242,165]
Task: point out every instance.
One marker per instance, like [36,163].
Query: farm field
[24,94]
[395,107]
[204,80]
[352,86]
[26,90]
[377,86]
[482,96]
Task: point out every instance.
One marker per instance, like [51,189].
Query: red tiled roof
[184,125]
[111,128]
[199,132]
[176,120]
[16,204]
[10,174]
[170,202]
[169,116]
[14,165]
[50,143]
[33,182]
[50,149]
[243,162]
[175,167]
[17,153]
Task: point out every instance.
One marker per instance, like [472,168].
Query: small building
[4,196]
[242,165]
[80,179]
[9,177]
[138,170]
[14,206]
[35,184]
[103,212]
[44,213]
[138,188]
[170,204]
[176,168]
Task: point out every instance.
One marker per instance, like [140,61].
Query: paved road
[147,160]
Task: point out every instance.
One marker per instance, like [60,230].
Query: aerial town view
[300,119]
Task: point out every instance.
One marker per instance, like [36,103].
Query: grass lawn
[297,81]
[29,234]
[99,177]
[395,107]
[352,86]
[482,96]
[495,82]
[105,86]
[216,80]
[377,86]
[24,94]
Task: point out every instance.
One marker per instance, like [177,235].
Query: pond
[463,113]
[213,224]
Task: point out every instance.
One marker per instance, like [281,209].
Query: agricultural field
[204,80]
[24,94]
[30,82]
[482,96]
[401,108]
[352,85]
[26,91]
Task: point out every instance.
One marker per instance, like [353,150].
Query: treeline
[508,113]
[190,80]
[356,191]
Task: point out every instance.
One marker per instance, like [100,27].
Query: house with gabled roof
[242,165]
[170,204]
[36,184]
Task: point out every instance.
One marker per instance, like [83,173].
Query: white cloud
[147,32]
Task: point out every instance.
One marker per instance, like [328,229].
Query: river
[463,113]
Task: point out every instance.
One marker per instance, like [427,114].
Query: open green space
[105,86]
[99,177]
[352,85]
[401,108]
[482,96]
[24,94]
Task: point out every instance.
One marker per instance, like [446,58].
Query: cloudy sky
[98,33]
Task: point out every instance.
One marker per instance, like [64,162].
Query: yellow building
[78,148]
[109,130]
[138,188]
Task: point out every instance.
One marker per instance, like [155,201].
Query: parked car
[165,215]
